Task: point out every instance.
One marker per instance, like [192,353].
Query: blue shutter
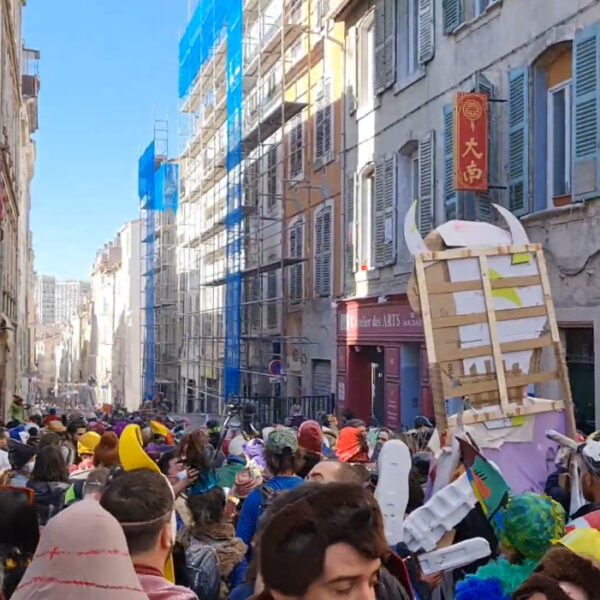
[453,14]
[483,207]
[518,141]
[450,195]
[586,119]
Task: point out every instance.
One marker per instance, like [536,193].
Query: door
[580,362]
[321,378]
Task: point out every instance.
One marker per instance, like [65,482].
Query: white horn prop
[412,237]
[517,231]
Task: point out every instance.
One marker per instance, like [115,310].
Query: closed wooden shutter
[450,194]
[453,14]
[426,31]
[350,209]
[385,211]
[426,183]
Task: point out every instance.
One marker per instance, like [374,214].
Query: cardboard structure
[487,312]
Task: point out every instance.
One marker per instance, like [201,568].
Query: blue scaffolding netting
[158,190]
[212,22]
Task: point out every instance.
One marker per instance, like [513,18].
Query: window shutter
[518,141]
[299,266]
[483,207]
[586,105]
[390,42]
[426,31]
[450,194]
[380,30]
[426,183]
[293,282]
[351,65]
[453,14]
[293,143]
[328,119]
[385,211]
[326,254]
[319,254]
[350,207]
[319,119]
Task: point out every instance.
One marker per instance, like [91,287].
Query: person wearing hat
[236,462]
[17,409]
[51,416]
[310,439]
[589,459]
[85,448]
[21,458]
[283,460]
[246,481]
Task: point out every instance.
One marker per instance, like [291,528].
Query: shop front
[382,361]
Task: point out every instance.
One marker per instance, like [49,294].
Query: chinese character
[473,172]
[471,147]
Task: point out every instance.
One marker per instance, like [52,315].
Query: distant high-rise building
[69,296]
[45,299]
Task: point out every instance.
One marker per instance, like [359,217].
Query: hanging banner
[471,142]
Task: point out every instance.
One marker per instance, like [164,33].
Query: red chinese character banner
[471,142]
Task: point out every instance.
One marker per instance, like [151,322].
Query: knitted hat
[530,523]
[19,454]
[246,481]
[56,427]
[106,453]
[310,436]
[87,443]
[280,439]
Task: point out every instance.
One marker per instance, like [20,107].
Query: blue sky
[107,67]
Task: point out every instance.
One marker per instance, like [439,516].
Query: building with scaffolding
[258,208]
[158,189]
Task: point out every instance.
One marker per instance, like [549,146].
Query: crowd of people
[117,505]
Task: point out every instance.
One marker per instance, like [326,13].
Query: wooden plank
[512,381]
[450,287]
[469,416]
[563,372]
[425,308]
[454,253]
[501,315]
[494,339]
[541,262]
[450,354]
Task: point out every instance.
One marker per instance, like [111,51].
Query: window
[272,177]
[559,141]
[323,123]
[415,39]
[296,271]
[271,296]
[322,12]
[481,6]
[365,218]
[322,263]
[296,148]
[366,58]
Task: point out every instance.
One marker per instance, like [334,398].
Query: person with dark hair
[49,481]
[21,458]
[75,429]
[19,535]
[106,453]
[326,541]
[283,461]
[212,551]
[143,503]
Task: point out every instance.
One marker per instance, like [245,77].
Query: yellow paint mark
[519,259]
[517,421]
[509,294]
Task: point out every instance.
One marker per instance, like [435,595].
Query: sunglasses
[28,492]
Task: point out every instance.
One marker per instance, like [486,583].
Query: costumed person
[106,453]
[51,416]
[310,439]
[569,571]
[49,481]
[352,446]
[142,502]
[19,536]
[85,449]
[589,459]
[283,460]
[235,462]
[245,482]
[212,551]
[255,451]
[526,526]
[17,410]
[82,553]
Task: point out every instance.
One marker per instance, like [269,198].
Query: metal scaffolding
[231,254]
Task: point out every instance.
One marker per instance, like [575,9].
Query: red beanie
[310,436]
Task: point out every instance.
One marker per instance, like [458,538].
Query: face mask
[182,475]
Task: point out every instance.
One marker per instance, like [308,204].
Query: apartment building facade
[45,299]
[69,297]
[404,62]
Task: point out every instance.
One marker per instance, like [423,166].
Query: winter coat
[210,558]
[49,498]
[226,474]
